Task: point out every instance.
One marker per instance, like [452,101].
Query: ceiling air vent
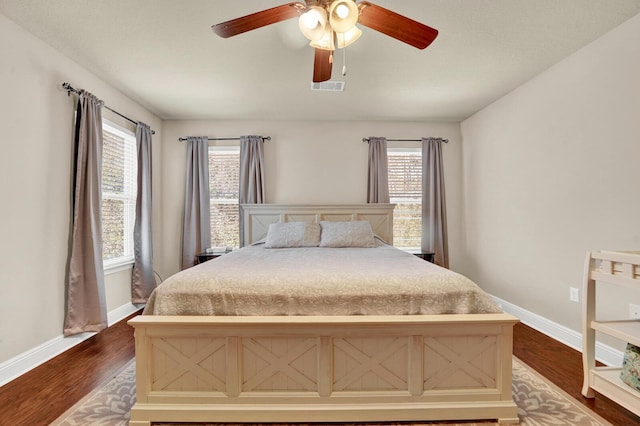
[328,86]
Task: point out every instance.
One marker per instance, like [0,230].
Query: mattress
[318,281]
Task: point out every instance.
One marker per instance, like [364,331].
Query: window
[405,190]
[224,187]
[119,175]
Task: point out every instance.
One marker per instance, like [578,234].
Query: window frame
[126,261]
[414,151]
[233,148]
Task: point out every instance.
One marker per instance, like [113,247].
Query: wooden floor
[43,394]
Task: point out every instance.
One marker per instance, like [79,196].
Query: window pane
[224,187]
[405,175]
[113,158]
[224,174]
[225,221]
[113,229]
[405,190]
[119,174]
[407,225]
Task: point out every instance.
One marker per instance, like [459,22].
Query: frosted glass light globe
[310,19]
[342,11]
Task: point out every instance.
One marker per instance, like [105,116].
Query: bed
[207,354]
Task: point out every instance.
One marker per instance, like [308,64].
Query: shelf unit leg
[588,333]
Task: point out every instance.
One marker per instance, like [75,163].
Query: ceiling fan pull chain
[344,58]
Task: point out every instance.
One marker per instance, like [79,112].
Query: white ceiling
[163,54]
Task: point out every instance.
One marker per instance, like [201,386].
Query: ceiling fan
[332,23]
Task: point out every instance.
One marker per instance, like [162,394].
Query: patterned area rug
[539,401]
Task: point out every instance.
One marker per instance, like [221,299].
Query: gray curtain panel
[251,174]
[86,308]
[196,229]
[434,214]
[378,182]
[142,279]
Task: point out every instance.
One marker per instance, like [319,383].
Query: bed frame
[323,368]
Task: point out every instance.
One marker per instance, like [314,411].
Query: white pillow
[357,233]
[293,234]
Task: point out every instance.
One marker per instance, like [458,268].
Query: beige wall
[551,171]
[305,162]
[36,118]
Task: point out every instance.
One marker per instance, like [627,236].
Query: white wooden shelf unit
[622,269]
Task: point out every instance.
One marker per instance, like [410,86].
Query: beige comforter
[318,281]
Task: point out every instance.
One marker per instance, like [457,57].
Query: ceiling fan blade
[258,19]
[322,65]
[397,26]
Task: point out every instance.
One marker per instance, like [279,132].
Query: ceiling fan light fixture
[327,42]
[345,39]
[343,15]
[313,22]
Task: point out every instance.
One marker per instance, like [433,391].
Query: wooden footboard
[323,369]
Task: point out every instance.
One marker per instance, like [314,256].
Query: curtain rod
[406,140]
[264,138]
[70,89]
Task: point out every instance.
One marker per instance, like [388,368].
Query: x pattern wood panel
[371,362]
[188,365]
[260,225]
[379,223]
[288,364]
[467,361]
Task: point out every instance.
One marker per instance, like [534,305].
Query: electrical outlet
[574,294]
[634,311]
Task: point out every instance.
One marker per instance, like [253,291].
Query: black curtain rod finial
[69,88]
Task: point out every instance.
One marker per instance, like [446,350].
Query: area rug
[540,403]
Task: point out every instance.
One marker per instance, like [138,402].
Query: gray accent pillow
[357,233]
[293,234]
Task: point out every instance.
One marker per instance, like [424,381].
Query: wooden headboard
[258,217]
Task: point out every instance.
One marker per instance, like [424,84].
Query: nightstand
[203,257]
[424,255]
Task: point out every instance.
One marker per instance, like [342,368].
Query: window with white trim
[405,190]
[224,187]
[119,178]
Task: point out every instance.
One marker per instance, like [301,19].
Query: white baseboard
[605,354]
[121,313]
[29,360]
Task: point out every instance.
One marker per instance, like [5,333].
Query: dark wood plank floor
[43,394]
[563,366]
